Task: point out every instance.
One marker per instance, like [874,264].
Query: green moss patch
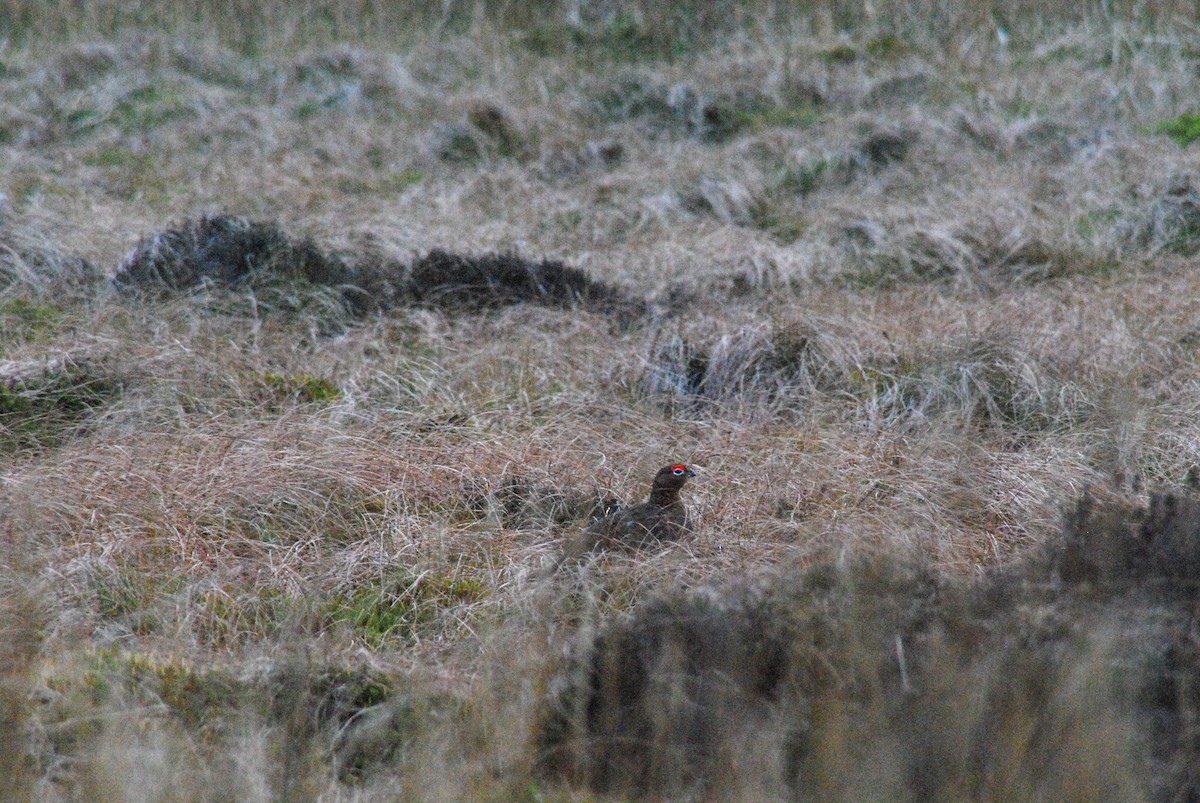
[46,408]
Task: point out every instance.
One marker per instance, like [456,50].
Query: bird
[661,518]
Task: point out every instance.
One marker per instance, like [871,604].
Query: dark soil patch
[227,250]
[224,250]
[466,283]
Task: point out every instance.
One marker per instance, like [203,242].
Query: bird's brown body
[662,518]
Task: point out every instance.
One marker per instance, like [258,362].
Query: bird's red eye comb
[679,468]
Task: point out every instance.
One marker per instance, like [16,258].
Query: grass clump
[300,280]
[723,115]
[22,627]
[1169,218]
[640,95]
[208,702]
[979,384]
[202,699]
[489,133]
[31,267]
[149,106]
[521,503]
[982,254]
[882,48]
[801,179]
[334,694]
[127,596]
[712,114]
[987,383]
[777,366]
[623,38]
[775,208]
[307,712]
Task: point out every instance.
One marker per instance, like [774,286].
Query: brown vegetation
[322,334]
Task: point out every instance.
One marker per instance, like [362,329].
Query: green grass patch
[141,109]
[134,173]
[210,701]
[380,611]
[886,46]
[567,222]
[119,596]
[1095,222]
[727,115]
[398,181]
[149,106]
[1066,52]
[913,260]
[81,121]
[23,321]
[353,689]
[839,54]
[232,616]
[378,182]
[770,210]
[781,117]
[785,228]
[1184,129]
[202,699]
[117,157]
[800,179]
[314,106]
[301,387]
[206,701]
[128,592]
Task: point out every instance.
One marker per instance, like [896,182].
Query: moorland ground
[323,330]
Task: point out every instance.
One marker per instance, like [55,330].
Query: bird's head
[674,476]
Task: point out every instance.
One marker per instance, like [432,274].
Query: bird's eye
[679,471]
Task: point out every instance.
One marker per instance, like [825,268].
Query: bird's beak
[691,472]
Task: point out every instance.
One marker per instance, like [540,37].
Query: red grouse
[662,518]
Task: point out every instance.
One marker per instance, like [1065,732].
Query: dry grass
[321,333]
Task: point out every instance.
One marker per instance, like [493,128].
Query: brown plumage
[662,518]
